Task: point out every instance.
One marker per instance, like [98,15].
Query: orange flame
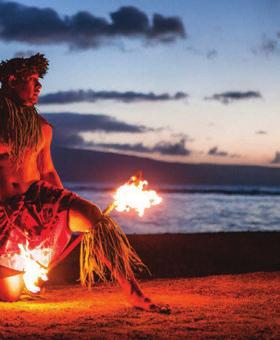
[133,196]
[33,270]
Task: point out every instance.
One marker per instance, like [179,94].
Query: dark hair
[20,127]
[23,67]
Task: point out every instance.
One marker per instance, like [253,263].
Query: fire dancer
[35,209]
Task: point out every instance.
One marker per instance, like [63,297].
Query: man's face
[27,90]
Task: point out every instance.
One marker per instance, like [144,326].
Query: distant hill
[85,166]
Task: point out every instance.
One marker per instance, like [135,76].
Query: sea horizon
[236,189]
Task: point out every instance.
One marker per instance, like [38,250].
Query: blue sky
[226,65]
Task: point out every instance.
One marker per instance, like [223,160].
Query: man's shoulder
[46,128]
[44,122]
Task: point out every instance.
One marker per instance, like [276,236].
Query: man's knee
[83,215]
[9,297]
[11,287]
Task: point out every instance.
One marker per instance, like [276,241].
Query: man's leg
[11,284]
[82,217]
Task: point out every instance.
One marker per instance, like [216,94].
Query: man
[35,209]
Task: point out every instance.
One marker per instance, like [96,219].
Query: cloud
[219,153]
[231,96]
[83,30]
[64,97]
[215,152]
[138,147]
[75,122]
[261,132]
[163,147]
[268,46]
[63,138]
[69,126]
[276,159]
[212,54]
[168,148]
[163,28]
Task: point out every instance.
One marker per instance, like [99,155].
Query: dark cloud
[63,138]
[168,148]
[129,21]
[69,126]
[138,147]
[165,28]
[83,30]
[261,132]
[231,96]
[75,122]
[215,152]
[219,153]
[64,97]
[163,147]
[276,159]
[68,129]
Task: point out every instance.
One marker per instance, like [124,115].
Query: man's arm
[44,159]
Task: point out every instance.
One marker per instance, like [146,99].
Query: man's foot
[26,295]
[144,303]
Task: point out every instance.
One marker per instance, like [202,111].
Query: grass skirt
[106,247]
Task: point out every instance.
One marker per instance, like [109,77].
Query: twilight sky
[181,80]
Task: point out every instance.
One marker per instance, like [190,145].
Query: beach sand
[225,306]
[189,273]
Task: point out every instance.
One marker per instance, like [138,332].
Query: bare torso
[15,181]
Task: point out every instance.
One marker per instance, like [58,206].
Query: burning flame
[33,270]
[133,196]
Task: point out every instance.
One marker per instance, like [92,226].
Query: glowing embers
[132,195]
[33,270]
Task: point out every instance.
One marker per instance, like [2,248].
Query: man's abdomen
[15,181]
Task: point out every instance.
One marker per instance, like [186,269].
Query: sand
[230,306]
[218,286]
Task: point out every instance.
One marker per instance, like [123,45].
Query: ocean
[195,209]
